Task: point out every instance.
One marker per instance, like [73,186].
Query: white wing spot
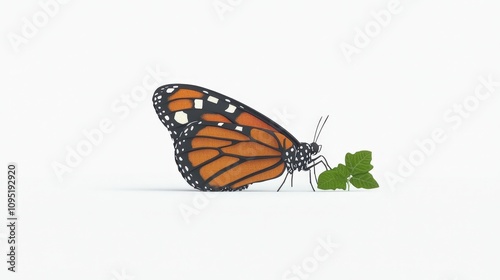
[181,117]
[198,103]
[220,124]
[239,128]
[167,118]
[170,90]
[213,99]
[230,109]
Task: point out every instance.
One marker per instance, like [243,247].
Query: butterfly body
[221,144]
[300,157]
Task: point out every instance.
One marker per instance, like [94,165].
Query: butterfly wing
[179,104]
[223,156]
[220,143]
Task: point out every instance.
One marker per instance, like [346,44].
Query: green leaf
[343,170]
[359,162]
[333,179]
[355,172]
[364,181]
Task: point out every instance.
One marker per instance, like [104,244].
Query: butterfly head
[315,148]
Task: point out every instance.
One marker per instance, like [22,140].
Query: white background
[117,214]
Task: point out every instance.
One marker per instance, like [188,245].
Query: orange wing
[223,156]
[177,105]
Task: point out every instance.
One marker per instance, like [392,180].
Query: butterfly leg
[322,160]
[315,176]
[286,176]
[310,179]
[312,168]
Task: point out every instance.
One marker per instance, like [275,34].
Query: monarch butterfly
[223,145]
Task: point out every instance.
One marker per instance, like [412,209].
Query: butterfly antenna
[321,129]
[316,131]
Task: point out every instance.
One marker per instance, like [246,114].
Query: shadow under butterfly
[223,145]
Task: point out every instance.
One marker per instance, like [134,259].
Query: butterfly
[223,145]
